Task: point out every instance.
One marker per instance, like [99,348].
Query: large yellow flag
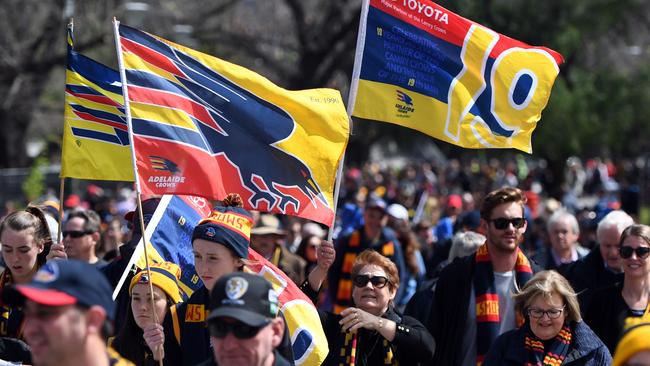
[203,126]
[421,66]
[95,137]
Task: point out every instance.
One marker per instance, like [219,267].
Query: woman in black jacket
[371,332]
[553,333]
[616,307]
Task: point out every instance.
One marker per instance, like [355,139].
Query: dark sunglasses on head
[377,281]
[502,223]
[75,233]
[220,329]
[641,252]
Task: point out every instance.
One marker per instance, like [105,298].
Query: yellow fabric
[160,280]
[637,339]
[91,158]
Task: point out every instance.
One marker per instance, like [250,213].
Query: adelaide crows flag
[95,137]
[203,126]
[421,66]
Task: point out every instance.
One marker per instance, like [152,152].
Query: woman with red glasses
[619,306]
[372,332]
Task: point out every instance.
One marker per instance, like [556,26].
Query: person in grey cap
[68,314]
[244,326]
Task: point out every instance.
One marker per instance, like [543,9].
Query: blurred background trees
[599,105]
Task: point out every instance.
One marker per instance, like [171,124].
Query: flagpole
[139,250]
[59,239]
[337,187]
[138,190]
[351,101]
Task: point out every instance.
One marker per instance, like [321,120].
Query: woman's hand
[355,318]
[154,335]
[325,255]
[57,251]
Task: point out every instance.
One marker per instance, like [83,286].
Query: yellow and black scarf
[358,346]
[553,354]
[487,298]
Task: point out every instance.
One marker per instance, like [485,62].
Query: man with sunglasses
[244,325]
[472,303]
[81,234]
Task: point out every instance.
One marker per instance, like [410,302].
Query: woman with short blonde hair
[553,332]
[545,284]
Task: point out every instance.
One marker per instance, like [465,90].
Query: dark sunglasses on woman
[502,223]
[220,329]
[641,252]
[377,281]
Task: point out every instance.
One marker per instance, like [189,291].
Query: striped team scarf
[487,298]
[555,351]
[348,355]
[11,318]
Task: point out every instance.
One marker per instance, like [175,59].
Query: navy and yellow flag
[95,134]
[421,66]
[203,126]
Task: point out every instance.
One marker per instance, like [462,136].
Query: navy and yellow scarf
[487,298]
[11,318]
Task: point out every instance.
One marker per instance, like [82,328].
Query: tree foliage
[598,105]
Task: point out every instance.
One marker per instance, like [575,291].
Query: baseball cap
[312,228]
[245,297]
[64,282]
[376,203]
[398,211]
[268,224]
[148,208]
[454,200]
[470,220]
[72,201]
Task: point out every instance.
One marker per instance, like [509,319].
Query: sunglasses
[377,281]
[641,252]
[75,233]
[220,329]
[502,223]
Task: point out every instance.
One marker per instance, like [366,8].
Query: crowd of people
[428,266]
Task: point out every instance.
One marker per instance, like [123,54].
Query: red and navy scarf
[487,298]
[553,354]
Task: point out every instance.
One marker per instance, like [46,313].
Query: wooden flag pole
[59,239]
[160,351]
[127,109]
[337,187]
